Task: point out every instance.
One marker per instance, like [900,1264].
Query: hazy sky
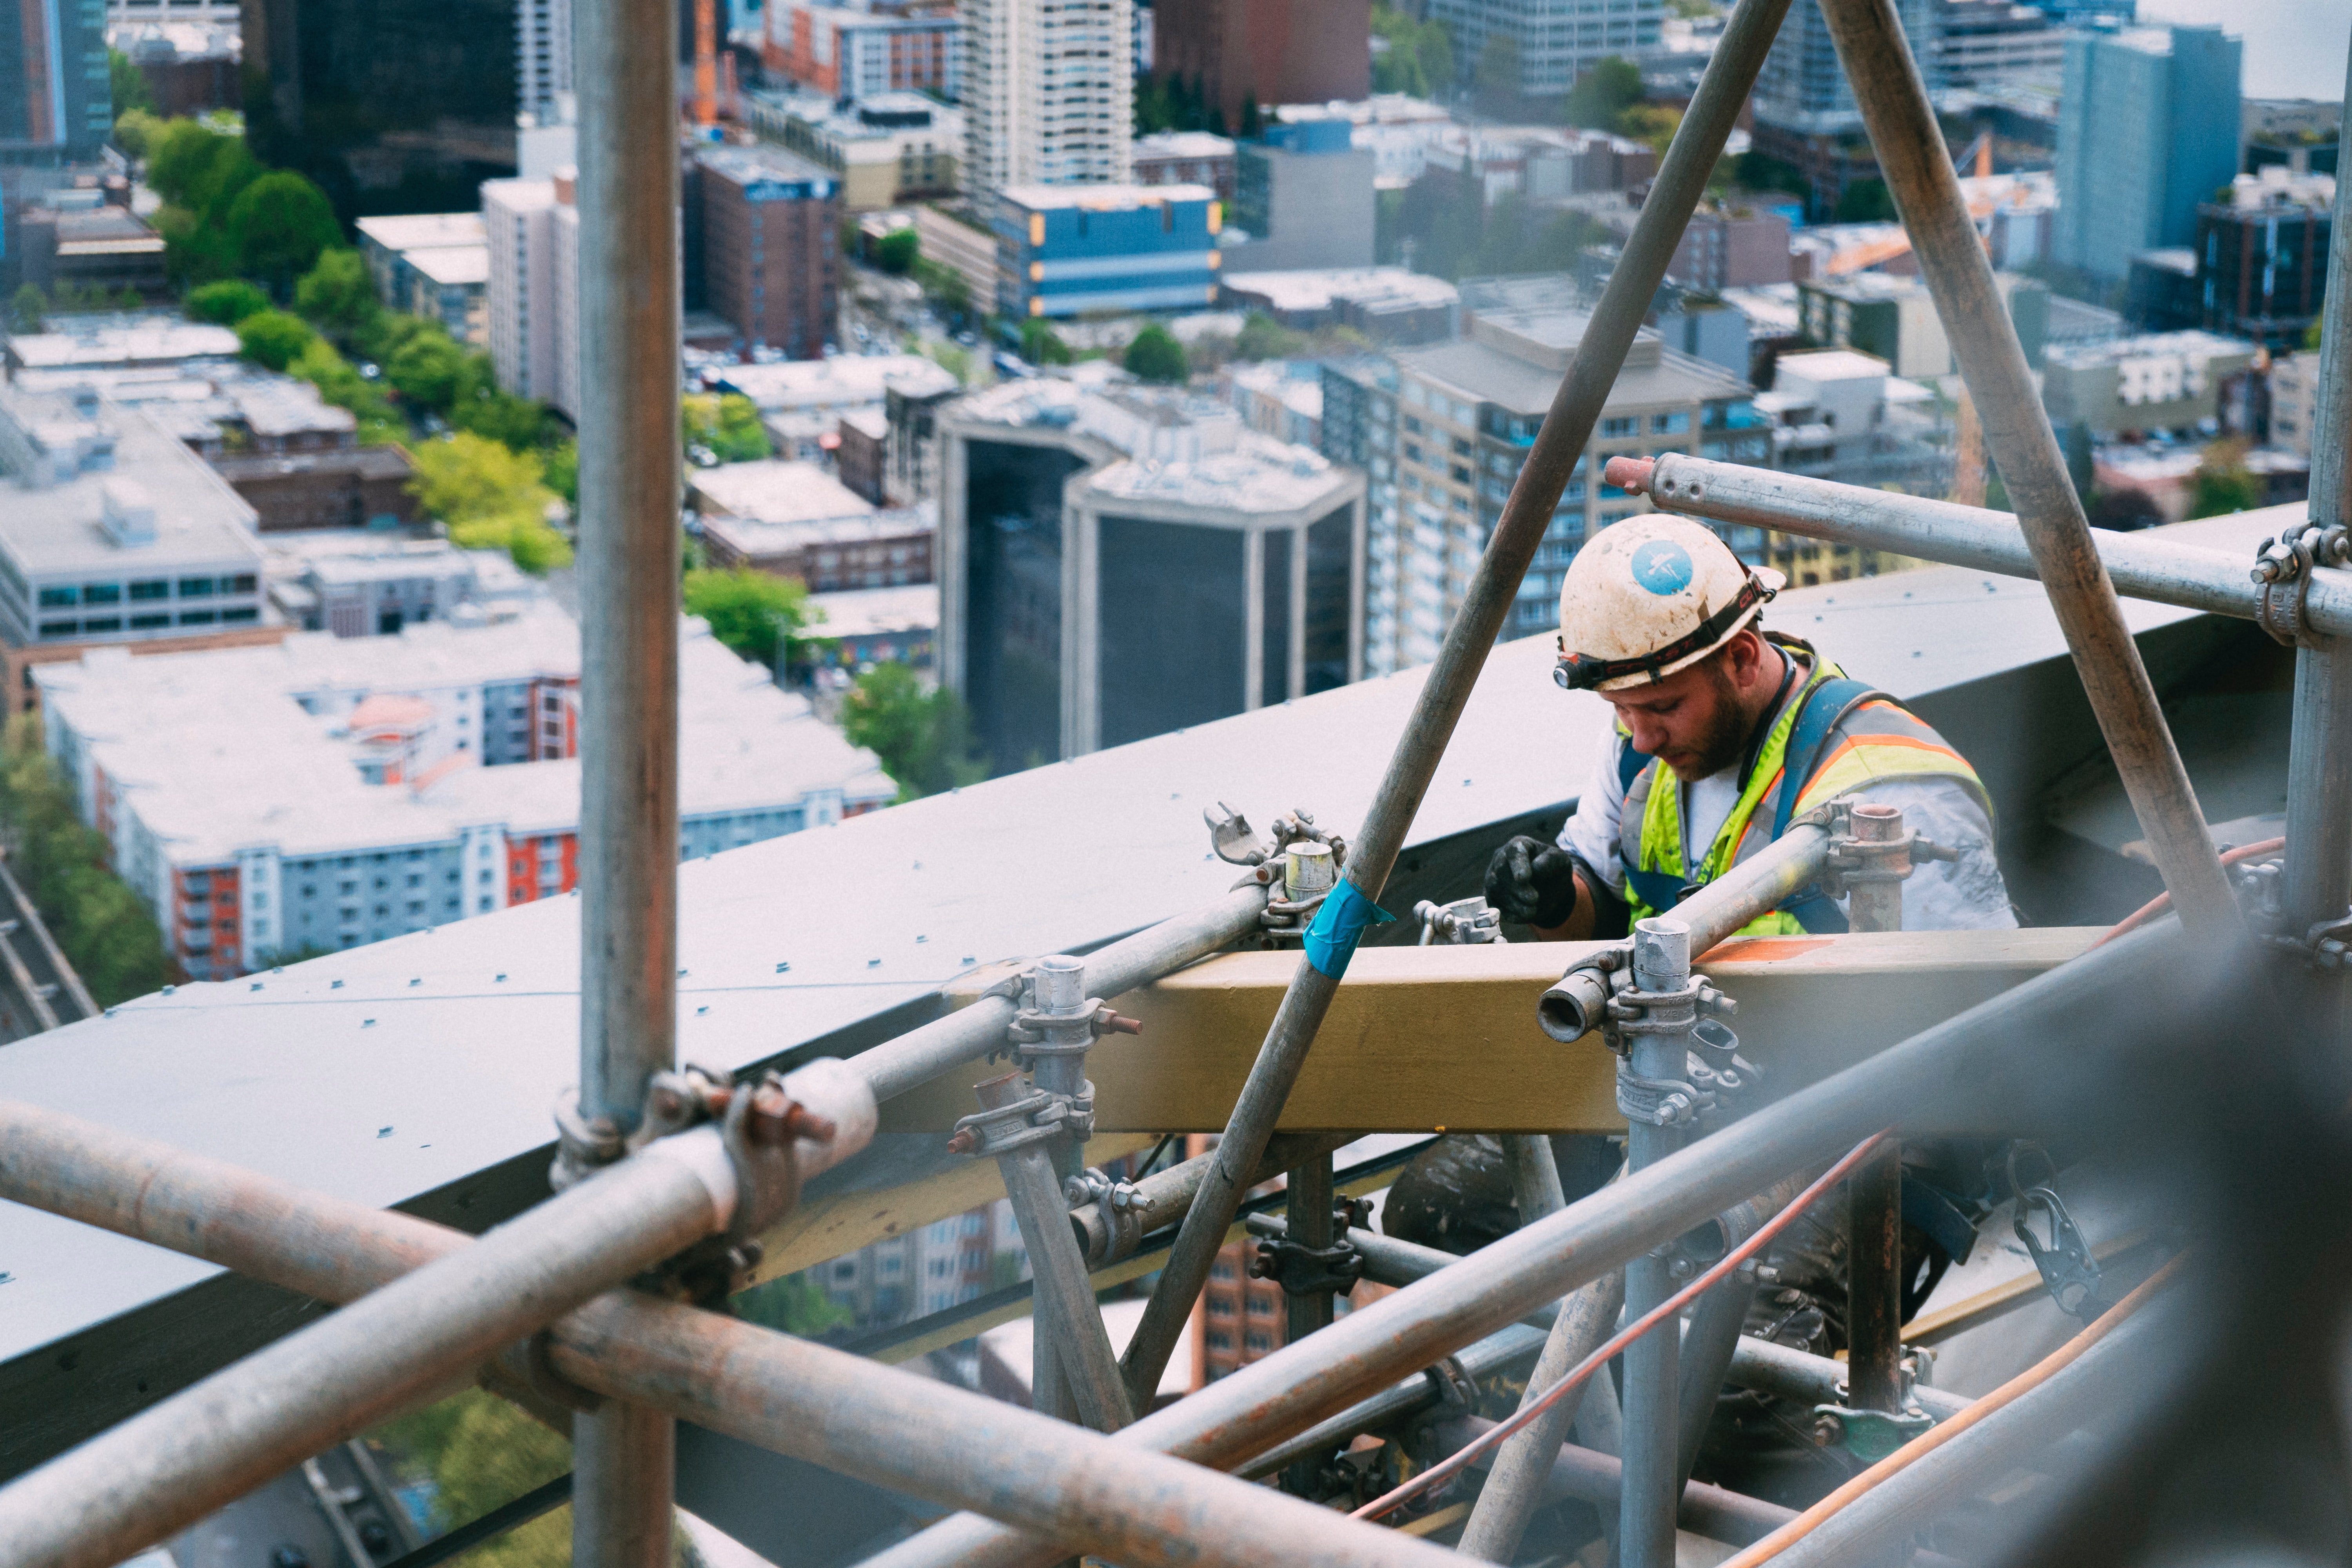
[2294,48]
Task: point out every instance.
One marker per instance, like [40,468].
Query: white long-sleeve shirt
[1967,894]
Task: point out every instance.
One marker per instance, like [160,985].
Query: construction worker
[1723,733]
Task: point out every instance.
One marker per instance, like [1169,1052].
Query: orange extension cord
[1920,1448]
[2163,902]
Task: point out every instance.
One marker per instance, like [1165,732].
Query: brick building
[844,52]
[1265,51]
[358,487]
[770,244]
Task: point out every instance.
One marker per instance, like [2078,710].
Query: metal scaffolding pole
[1918,168]
[1522,1468]
[2319,762]
[1958,1067]
[1653,1400]
[2144,565]
[810,1402]
[200,1448]
[630,299]
[1873,1321]
[1527,517]
[1160,1199]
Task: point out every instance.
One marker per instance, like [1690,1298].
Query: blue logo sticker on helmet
[1663,567]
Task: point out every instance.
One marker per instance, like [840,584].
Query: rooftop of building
[104,230]
[841,382]
[424,231]
[2276,186]
[1833,364]
[1257,476]
[452,266]
[872,612]
[774,491]
[362,462]
[1297,384]
[192,399]
[762,538]
[870,422]
[1770,307]
[1379,109]
[1514,359]
[520,194]
[1100,198]
[1183,144]
[1316,288]
[221,754]
[749,164]
[151,506]
[103,340]
[2192,343]
[879,115]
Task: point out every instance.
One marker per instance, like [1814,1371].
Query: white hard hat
[1650,595]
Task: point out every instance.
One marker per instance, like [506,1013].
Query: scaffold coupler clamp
[1464,922]
[1298,864]
[1117,1229]
[2281,574]
[1712,1067]
[1868,847]
[1304,1270]
[1038,1116]
[1056,1018]
[1869,1435]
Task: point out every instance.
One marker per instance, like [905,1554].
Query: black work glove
[1532,882]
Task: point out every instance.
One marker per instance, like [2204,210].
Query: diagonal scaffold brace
[1698,141]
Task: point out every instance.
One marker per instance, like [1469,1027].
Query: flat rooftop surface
[337,1073]
[774,491]
[56,531]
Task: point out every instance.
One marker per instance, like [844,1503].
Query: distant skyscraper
[1048,93]
[533,227]
[1555,41]
[1803,89]
[54,99]
[2147,128]
[543,59]
[391,106]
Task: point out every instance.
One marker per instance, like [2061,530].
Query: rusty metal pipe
[1716,1512]
[200,1448]
[1527,517]
[1160,1199]
[1521,1468]
[920,1436]
[1903,132]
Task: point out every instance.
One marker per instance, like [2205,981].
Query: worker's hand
[1532,882]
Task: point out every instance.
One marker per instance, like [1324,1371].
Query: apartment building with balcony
[330,791]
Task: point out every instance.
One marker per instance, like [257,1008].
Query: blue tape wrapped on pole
[1331,936]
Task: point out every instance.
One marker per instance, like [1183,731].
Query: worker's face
[1694,721]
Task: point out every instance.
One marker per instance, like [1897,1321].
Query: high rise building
[859,52]
[1805,112]
[1048,92]
[391,106]
[1553,41]
[1061,250]
[531,229]
[543,60]
[1265,52]
[1304,196]
[2148,128]
[770,225]
[1092,542]
[55,103]
[2262,256]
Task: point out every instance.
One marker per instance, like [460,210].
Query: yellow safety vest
[1855,735]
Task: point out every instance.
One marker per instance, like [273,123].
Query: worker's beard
[1723,741]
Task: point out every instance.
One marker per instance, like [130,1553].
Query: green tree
[727,423]
[428,368]
[922,738]
[1602,95]
[103,928]
[224,304]
[273,338]
[1156,355]
[1652,124]
[341,384]
[1253,120]
[337,295]
[480,1453]
[28,311]
[752,612]
[491,497]
[135,130]
[796,1304]
[198,169]
[129,84]
[279,226]
[897,252]
[1040,344]
[2222,483]
[563,475]
[1263,337]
